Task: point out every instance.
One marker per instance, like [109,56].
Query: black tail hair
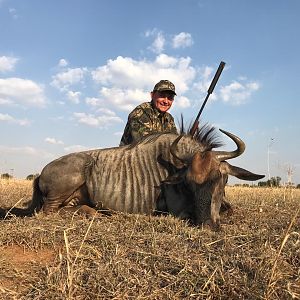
[34,206]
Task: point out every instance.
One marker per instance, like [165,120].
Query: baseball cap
[164,85]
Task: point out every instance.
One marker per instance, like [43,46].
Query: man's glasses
[168,95]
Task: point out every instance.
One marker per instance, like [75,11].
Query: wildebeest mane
[206,135]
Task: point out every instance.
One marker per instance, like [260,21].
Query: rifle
[209,91]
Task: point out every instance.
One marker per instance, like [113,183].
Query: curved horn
[223,155]
[173,147]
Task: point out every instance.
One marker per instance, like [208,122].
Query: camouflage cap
[165,85]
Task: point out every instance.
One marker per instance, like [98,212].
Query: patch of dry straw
[255,256]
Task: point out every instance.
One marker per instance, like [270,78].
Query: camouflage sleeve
[138,125]
[172,126]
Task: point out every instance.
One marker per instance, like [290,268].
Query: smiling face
[162,100]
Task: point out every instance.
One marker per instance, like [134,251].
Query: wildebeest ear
[201,167]
[238,172]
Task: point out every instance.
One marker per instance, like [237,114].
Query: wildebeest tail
[35,204]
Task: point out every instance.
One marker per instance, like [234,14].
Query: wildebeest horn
[223,155]
[173,150]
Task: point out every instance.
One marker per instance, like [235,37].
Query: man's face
[162,100]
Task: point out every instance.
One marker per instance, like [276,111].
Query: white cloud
[124,83]
[140,76]
[94,101]
[7,63]
[151,32]
[182,102]
[124,99]
[18,150]
[165,61]
[13,12]
[74,97]
[5,102]
[53,141]
[100,121]
[182,40]
[21,91]
[118,133]
[238,93]
[206,76]
[10,119]
[158,43]
[63,62]
[26,150]
[64,80]
[106,111]
[75,148]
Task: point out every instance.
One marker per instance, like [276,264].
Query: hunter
[153,116]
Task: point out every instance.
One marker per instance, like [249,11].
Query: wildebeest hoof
[214,226]
[105,212]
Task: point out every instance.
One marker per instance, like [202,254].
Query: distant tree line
[273,181]
[8,176]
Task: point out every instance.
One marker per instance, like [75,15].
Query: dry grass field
[255,256]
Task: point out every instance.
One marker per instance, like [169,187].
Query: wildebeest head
[197,191]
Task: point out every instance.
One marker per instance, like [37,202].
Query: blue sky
[71,71]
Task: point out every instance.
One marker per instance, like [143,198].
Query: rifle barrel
[216,78]
[211,87]
[209,91]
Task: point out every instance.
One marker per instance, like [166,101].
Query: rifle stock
[209,91]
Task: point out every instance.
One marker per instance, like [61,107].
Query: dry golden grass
[255,256]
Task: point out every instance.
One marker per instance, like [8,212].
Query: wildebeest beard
[201,200]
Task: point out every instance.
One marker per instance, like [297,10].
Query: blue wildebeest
[196,192]
[122,178]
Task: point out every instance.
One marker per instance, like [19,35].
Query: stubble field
[256,255]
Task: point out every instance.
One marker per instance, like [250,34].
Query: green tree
[32,176]
[5,176]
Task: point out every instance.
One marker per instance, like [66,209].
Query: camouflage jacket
[145,119]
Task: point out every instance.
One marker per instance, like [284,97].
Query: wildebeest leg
[161,204]
[63,182]
[53,202]
[226,207]
[80,209]
[216,200]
